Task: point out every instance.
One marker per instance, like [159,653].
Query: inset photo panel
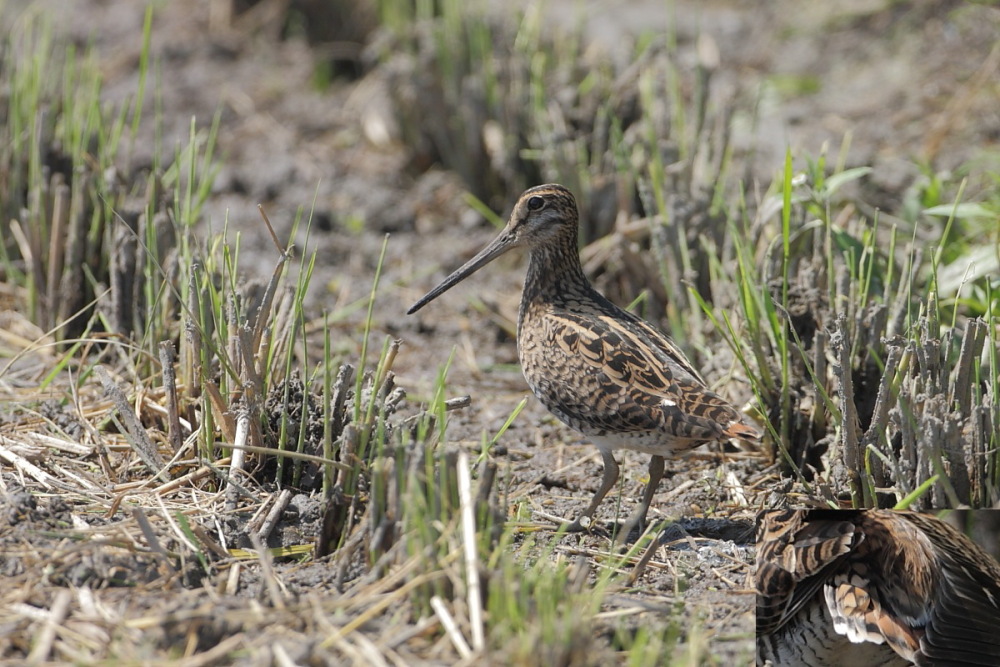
[859,588]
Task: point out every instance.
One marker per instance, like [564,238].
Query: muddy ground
[899,78]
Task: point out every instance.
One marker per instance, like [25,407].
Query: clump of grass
[530,105]
[94,246]
[544,613]
[870,385]
[47,134]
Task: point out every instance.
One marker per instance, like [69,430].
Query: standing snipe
[873,587]
[598,368]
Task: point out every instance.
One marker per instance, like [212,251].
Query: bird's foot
[583,524]
[625,530]
[635,522]
[580,525]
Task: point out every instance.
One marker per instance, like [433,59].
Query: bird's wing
[794,559]
[880,593]
[962,624]
[921,587]
[624,374]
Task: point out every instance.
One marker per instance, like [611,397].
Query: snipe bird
[873,587]
[598,368]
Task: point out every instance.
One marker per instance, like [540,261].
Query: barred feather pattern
[873,587]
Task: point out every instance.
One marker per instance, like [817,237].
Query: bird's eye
[535,204]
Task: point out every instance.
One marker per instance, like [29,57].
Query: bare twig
[26,466]
[136,435]
[972,345]
[849,430]
[884,402]
[60,221]
[471,556]
[451,627]
[239,456]
[151,539]
[167,357]
[280,504]
[46,637]
[267,572]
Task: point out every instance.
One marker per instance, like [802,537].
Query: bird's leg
[638,517]
[608,481]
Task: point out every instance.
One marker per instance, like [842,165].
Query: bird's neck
[554,274]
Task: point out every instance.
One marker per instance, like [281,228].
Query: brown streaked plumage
[873,587]
[598,368]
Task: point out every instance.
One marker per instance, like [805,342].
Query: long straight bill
[497,247]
